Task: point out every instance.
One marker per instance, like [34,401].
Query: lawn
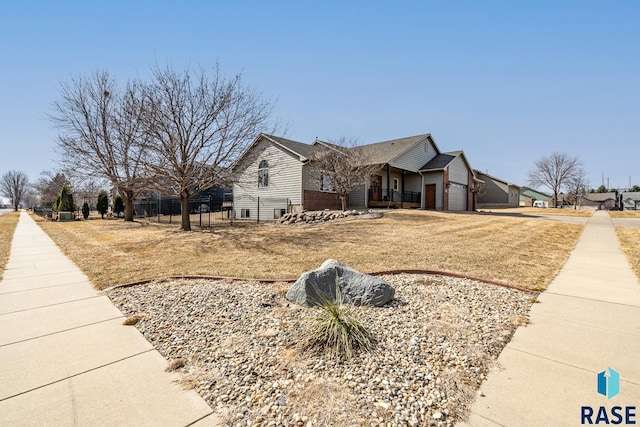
[543,211]
[8,224]
[624,214]
[523,252]
[629,238]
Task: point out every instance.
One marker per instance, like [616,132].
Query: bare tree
[200,124]
[340,166]
[14,186]
[102,133]
[48,186]
[576,186]
[554,172]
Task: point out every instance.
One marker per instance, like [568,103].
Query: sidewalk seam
[201,418]
[564,363]
[37,289]
[589,299]
[62,330]
[589,325]
[50,305]
[77,374]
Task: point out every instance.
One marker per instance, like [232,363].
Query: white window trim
[262,175]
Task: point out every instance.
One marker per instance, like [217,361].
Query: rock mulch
[435,343]
[319,217]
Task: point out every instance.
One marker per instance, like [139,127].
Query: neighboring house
[274,176]
[601,201]
[631,200]
[214,199]
[529,196]
[497,192]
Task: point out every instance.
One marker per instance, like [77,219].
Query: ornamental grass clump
[337,329]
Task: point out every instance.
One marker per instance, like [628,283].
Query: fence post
[258,210]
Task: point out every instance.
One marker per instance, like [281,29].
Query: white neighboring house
[631,200]
[274,176]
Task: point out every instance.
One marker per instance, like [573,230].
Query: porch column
[388,181]
[402,190]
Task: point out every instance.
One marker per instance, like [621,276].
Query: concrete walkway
[65,357]
[587,321]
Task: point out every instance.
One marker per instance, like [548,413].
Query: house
[529,196]
[497,192]
[601,201]
[631,200]
[274,176]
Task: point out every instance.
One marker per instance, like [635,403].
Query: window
[325,183]
[395,184]
[279,213]
[263,174]
[244,213]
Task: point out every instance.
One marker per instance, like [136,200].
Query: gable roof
[530,192]
[440,161]
[385,151]
[299,148]
[494,178]
[600,197]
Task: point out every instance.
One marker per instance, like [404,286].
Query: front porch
[389,198]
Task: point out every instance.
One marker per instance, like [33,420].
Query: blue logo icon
[609,384]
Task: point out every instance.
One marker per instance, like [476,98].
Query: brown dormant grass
[525,252]
[543,211]
[624,214]
[8,224]
[629,238]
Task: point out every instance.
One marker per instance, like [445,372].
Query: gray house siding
[414,158]
[458,171]
[514,196]
[413,183]
[357,198]
[285,183]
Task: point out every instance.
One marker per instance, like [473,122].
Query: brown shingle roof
[300,148]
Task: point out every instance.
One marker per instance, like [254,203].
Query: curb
[375,273]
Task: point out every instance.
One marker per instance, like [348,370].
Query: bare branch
[199,125]
[340,166]
[14,185]
[554,172]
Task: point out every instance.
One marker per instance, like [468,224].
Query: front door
[376,188]
[430,196]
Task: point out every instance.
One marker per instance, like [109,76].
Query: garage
[457,197]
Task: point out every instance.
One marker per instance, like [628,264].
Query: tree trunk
[128,207]
[184,206]
[343,202]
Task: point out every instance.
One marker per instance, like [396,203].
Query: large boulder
[315,287]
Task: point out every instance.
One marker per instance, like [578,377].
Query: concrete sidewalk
[65,357]
[587,321]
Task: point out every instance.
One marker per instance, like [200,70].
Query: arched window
[263,174]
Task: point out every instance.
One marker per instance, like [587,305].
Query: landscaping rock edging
[318,217]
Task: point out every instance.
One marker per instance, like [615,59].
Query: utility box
[65,216]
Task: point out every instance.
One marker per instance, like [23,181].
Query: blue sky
[507,82]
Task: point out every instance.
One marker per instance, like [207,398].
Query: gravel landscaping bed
[434,345]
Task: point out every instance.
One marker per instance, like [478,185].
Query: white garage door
[457,197]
